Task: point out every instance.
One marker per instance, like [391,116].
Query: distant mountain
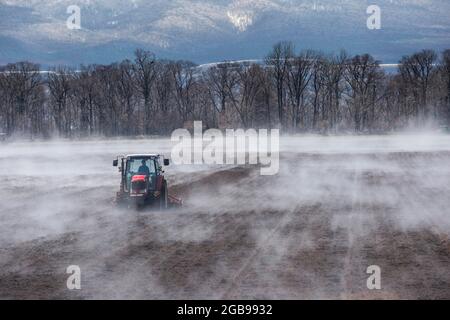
[205,31]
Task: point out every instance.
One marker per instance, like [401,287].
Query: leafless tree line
[302,91]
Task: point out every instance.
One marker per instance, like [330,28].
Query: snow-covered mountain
[213,30]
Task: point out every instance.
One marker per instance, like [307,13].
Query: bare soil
[308,233]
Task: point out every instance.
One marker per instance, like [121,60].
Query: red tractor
[143,181]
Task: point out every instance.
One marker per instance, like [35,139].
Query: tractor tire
[119,201]
[164,197]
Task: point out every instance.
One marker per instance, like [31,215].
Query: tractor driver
[143,169]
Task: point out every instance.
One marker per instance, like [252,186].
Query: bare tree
[362,74]
[20,84]
[446,76]
[85,92]
[335,78]
[243,94]
[298,77]
[183,79]
[416,70]
[126,94]
[318,82]
[164,87]
[266,97]
[59,83]
[145,69]
[278,61]
[218,78]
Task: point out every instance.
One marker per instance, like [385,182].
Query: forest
[296,91]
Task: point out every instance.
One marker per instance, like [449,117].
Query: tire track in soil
[350,255]
[227,294]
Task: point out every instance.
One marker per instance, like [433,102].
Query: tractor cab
[142,178]
[140,170]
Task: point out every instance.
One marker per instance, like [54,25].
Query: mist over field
[338,205]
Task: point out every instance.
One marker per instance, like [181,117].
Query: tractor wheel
[163,199]
[120,201]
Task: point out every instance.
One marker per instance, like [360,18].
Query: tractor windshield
[141,166]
